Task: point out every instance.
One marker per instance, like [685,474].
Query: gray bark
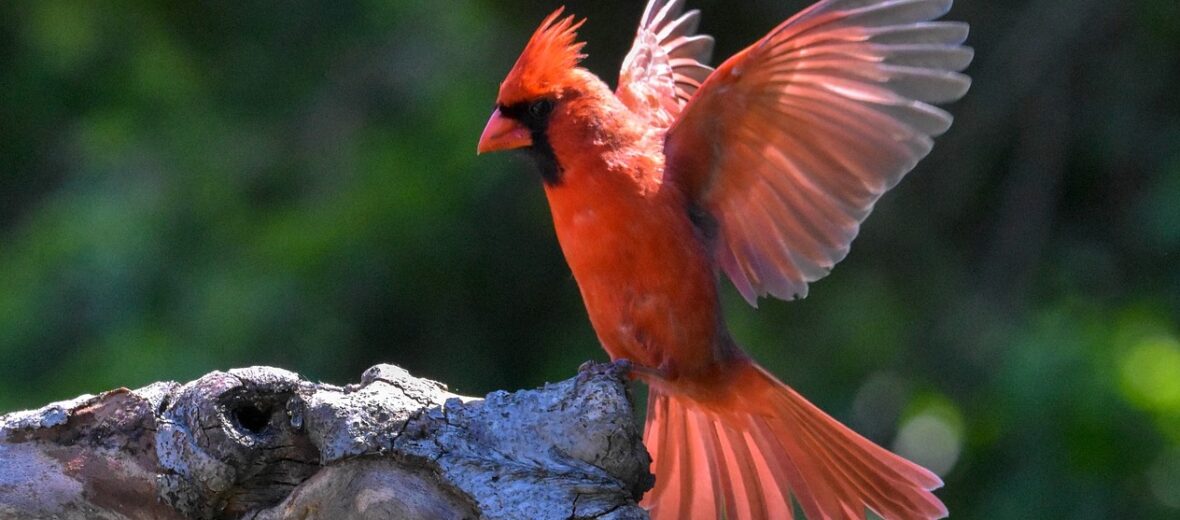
[263,443]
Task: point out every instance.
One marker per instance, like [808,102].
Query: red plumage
[762,169]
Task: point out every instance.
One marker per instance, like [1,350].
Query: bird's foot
[619,366]
[625,367]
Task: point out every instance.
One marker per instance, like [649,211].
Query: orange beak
[503,133]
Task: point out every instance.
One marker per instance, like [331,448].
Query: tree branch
[261,443]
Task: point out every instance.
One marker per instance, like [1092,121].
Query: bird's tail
[746,450]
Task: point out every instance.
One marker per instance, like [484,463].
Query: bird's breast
[645,275]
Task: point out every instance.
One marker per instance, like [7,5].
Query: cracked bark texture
[262,443]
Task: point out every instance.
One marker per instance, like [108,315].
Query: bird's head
[543,76]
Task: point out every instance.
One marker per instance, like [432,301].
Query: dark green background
[190,186]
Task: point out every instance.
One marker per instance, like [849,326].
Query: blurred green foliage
[190,186]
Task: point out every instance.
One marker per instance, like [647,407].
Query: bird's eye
[540,109]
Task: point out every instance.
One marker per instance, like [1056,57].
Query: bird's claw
[619,366]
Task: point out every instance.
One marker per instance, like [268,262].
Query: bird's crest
[547,59]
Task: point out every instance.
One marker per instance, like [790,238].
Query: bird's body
[645,273]
[763,170]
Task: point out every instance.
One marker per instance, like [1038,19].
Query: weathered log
[262,443]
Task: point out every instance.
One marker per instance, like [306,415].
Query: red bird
[762,169]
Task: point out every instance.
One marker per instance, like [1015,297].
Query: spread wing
[789,143]
[666,63]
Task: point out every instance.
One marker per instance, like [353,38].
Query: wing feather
[666,64]
[790,143]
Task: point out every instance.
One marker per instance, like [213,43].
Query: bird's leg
[642,371]
[633,371]
[626,366]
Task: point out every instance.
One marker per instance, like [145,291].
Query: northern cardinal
[762,169]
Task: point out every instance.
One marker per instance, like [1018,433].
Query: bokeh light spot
[1150,373]
[933,436]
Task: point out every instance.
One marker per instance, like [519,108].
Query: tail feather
[777,502]
[860,473]
[869,469]
[732,445]
[745,453]
[705,461]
